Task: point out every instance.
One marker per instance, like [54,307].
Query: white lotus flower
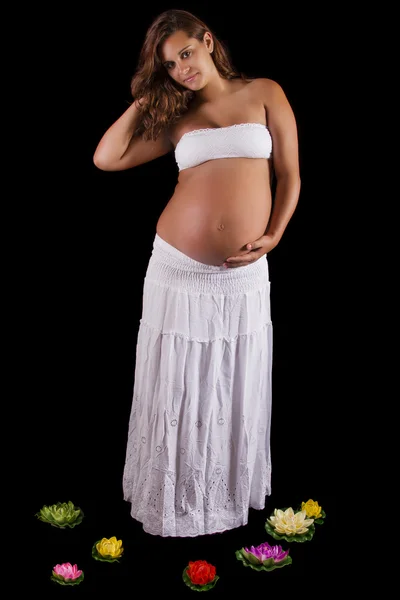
[290,523]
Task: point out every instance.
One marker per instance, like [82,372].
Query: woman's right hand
[140,103]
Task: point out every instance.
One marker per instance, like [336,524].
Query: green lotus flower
[61,515]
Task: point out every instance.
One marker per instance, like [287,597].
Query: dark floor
[157,563]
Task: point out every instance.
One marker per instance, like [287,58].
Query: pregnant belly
[217,209]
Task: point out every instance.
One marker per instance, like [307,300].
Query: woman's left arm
[285,156]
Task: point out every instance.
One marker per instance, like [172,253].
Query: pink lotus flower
[67,574]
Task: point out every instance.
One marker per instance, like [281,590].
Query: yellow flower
[312,509]
[290,523]
[111,547]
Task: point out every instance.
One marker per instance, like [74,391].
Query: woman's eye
[185,54]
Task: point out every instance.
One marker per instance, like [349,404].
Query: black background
[90,237]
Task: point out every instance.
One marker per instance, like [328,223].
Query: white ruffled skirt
[198,447]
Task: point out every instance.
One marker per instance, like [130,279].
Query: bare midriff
[217,208]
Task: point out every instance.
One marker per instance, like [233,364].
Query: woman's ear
[209,42]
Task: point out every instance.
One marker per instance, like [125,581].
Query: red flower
[200,572]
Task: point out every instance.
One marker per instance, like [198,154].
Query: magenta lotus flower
[67,574]
[265,551]
[264,557]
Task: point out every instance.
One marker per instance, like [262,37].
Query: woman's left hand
[252,252]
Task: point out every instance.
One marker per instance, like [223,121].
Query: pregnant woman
[198,442]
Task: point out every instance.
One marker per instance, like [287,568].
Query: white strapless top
[244,140]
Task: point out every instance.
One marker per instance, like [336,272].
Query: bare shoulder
[266,89]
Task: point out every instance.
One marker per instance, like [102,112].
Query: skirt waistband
[169,266]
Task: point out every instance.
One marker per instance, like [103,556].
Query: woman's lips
[190,79]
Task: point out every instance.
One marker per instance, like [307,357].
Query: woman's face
[187,60]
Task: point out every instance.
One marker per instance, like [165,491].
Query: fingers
[240,261]
[249,256]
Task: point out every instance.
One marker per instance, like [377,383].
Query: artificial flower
[200,575]
[313,510]
[290,525]
[61,515]
[107,550]
[67,574]
[264,557]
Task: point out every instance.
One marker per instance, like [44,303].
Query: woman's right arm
[119,149]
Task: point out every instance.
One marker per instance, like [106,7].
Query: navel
[221,227]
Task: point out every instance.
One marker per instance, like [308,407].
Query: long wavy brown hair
[165,100]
